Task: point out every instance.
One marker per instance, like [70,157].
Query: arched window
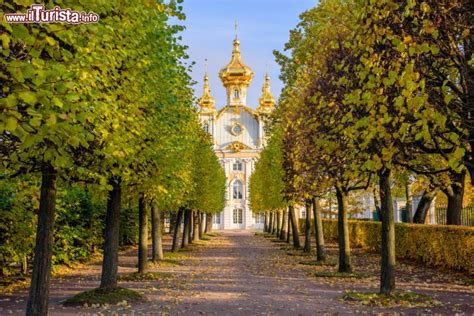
[237,190]
[206,127]
[236,94]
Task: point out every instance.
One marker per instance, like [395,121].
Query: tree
[356,106]
[313,109]
[43,126]
[60,120]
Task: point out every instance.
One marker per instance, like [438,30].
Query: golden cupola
[207,102]
[236,77]
[267,101]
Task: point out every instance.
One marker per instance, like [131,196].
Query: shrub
[102,296]
[18,202]
[77,230]
[434,245]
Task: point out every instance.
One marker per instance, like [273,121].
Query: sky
[263,25]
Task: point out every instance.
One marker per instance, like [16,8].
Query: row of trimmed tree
[107,106]
[373,90]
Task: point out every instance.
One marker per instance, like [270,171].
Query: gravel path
[236,273]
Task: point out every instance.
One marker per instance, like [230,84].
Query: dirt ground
[238,273]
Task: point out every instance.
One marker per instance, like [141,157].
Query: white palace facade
[238,133]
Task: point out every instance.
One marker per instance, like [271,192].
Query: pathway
[235,274]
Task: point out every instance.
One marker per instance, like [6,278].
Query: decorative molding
[236,110]
[237,146]
[236,129]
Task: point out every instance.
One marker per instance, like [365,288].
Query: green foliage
[94,102]
[267,186]
[102,296]
[433,245]
[208,194]
[78,229]
[325,263]
[148,276]
[79,226]
[18,200]
[335,274]
[363,94]
[129,224]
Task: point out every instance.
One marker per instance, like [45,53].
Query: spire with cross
[236,28]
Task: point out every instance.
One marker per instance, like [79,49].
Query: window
[236,94]
[236,129]
[216,219]
[237,166]
[237,218]
[237,189]
[206,127]
[259,218]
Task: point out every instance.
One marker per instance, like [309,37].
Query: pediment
[236,109]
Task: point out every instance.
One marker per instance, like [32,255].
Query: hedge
[434,245]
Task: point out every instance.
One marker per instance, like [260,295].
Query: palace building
[238,133]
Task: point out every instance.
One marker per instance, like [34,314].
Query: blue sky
[263,25]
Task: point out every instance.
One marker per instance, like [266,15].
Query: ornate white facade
[239,135]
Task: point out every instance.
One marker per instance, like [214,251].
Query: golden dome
[236,72]
[206,102]
[266,101]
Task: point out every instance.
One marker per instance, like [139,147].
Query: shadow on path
[236,273]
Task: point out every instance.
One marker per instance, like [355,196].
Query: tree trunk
[173,218]
[156,233]
[469,160]
[345,264]
[278,221]
[24,265]
[455,199]
[387,276]
[408,206]
[283,225]
[265,225]
[208,223]
[318,231]
[307,227]
[201,224]
[142,234]
[196,229]
[179,218]
[191,226]
[111,241]
[294,227]
[274,223]
[270,224]
[288,233]
[424,205]
[41,277]
[377,205]
[186,222]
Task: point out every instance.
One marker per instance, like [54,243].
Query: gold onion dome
[266,101]
[236,72]
[206,102]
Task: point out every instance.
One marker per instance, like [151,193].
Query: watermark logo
[38,14]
